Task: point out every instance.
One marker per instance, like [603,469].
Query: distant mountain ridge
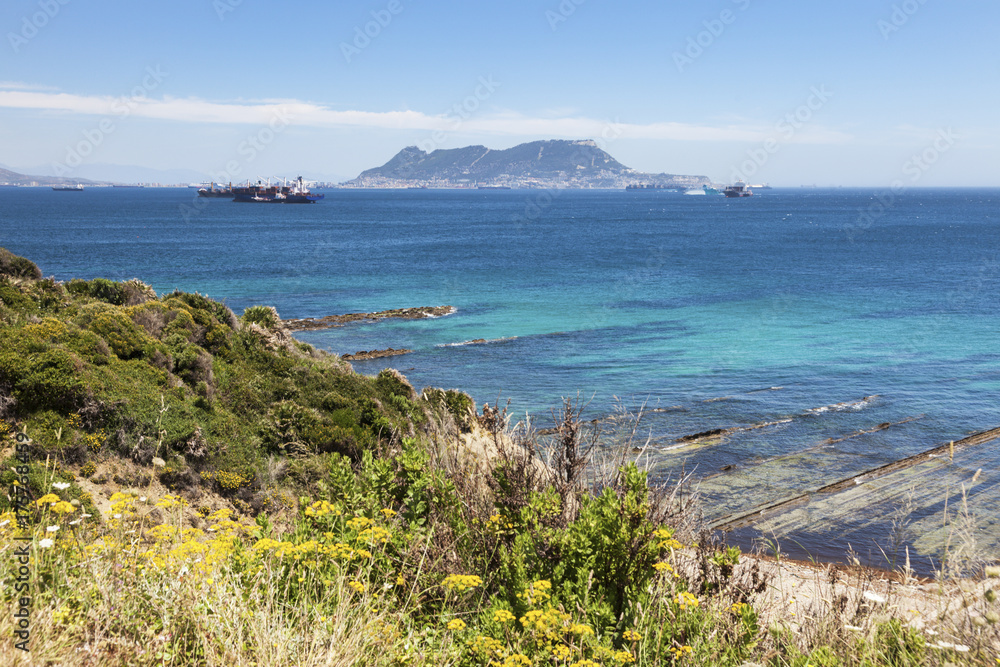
[8,177]
[551,163]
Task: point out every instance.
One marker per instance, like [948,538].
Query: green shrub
[217,339]
[17,266]
[181,325]
[14,298]
[108,291]
[373,418]
[264,316]
[205,311]
[344,418]
[193,365]
[457,403]
[126,339]
[288,422]
[135,292]
[47,380]
[325,437]
[390,381]
[334,401]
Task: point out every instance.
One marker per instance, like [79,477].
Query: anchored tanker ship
[262,193]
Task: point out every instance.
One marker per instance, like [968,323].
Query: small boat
[738,189]
[710,191]
[68,188]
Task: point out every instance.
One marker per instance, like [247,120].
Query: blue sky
[845,93]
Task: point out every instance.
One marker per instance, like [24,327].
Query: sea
[810,335]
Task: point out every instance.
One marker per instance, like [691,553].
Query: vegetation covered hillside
[205,490]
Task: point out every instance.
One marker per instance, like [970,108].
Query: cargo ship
[68,188]
[262,193]
[650,186]
[212,191]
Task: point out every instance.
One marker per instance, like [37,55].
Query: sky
[853,93]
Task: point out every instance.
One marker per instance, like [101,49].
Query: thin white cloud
[305,114]
[20,85]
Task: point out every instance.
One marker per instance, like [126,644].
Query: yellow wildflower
[685,600]
[168,501]
[462,582]
[321,508]
[47,499]
[456,624]
[680,652]
[359,523]
[503,616]
[62,507]
[487,646]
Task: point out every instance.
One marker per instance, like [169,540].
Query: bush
[205,311]
[264,316]
[48,380]
[16,266]
[13,297]
[135,292]
[334,401]
[108,291]
[391,382]
[457,403]
[126,339]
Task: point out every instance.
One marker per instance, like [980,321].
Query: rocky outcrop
[330,321]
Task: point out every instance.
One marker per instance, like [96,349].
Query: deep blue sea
[789,307]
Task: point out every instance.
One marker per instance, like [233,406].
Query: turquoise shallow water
[646,296]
